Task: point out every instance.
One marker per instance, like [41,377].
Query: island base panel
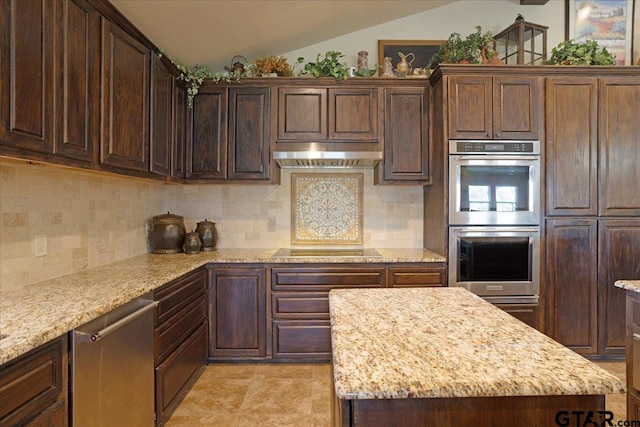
[469,411]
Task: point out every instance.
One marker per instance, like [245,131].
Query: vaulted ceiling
[212,32]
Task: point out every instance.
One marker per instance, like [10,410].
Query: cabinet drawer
[174,296]
[177,371]
[326,278]
[409,277]
[309,340]
[54,416]
[300,305]
[175,330]
[31,383]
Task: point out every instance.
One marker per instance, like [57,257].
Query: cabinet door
[35,385]
[619,135]
[571,146]
[237,298]
[469,106]
[517,108]
[353,114]
[571,283]
[406,135]
[207,150]
[26,76]
[161,118]
[619,252]
[249,126]
[77,63]
[180,134]
[125,100]
[302,114]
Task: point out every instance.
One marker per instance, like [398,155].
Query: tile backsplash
[91,219]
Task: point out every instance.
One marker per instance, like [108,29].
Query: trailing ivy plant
[328,65]
[194,77]
[571,52]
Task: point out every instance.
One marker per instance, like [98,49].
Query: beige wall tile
[91,219]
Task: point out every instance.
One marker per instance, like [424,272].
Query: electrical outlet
[40,245]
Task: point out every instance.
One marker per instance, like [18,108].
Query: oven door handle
[498,157]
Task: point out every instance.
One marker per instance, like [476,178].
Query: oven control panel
[494,147]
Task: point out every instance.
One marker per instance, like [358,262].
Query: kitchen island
[445,357]
[632,290]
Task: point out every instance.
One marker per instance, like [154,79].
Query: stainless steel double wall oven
[494,219]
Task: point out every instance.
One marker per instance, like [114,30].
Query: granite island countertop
[448,342]
[629,285]
[35,314]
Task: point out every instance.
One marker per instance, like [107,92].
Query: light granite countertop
[448,342]
[34,314]
[629,285]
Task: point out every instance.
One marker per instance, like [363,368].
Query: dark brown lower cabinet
[584,258]
[180,339]
[528,313]
[33,387]
[301,330]
[238,313]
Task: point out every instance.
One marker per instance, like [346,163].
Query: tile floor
[297,395]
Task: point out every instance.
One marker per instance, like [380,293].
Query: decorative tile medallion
[326,208]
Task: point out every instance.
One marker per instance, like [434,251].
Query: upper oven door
[494,190]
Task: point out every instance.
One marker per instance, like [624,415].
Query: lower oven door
[501,264]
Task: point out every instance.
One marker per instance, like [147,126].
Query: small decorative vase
[363,61]
[192,243]
[387,67]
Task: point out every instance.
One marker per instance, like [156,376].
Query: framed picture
[608,22]
[422,51]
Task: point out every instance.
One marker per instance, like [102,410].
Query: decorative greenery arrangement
[194,77]
[570,52]
[367,72]
[328,65]
[268,64]
[470,49]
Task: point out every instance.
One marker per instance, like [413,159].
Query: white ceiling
[212,32]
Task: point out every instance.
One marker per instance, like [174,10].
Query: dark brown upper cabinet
[50,80]
[482,107]
[180,118]
[206,153]
[249,133]
[230,134]
[161,136]
[124,141]
[406,136]
[327,114]
[619,146]
[572,145]
[592,146]
[27,79]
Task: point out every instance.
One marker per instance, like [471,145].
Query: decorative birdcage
[522,43]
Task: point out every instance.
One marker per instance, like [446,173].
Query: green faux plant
[571,52]
[328,65]
[194,77]
[456,49]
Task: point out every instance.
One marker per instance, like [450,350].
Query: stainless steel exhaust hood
[316,155]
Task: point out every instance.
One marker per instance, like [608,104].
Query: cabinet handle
[636,337]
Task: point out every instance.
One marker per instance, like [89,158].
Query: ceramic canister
[208,234]
[167,234]
[192,243]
